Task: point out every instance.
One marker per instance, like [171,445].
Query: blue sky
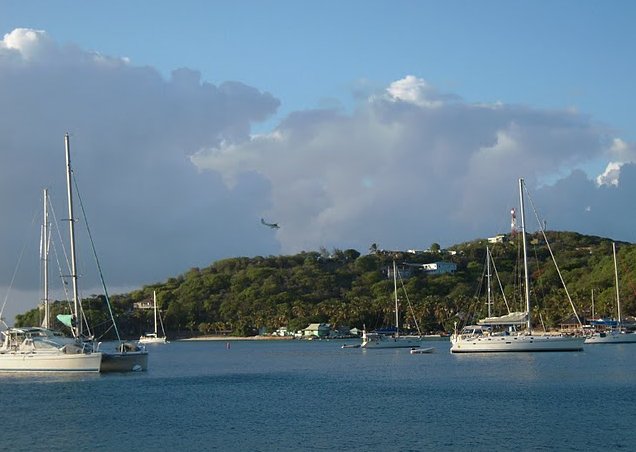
[401,123]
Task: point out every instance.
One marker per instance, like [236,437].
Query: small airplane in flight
[270,225]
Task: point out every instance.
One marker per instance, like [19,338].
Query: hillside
[242,295]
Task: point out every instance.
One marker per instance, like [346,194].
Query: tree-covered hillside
[242,295]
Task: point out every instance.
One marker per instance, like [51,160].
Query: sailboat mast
[45,258]
[397,317]
[525,255]
[618,297]
[154,298]
[77,328]
[488,281]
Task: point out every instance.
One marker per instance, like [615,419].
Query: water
[296,395]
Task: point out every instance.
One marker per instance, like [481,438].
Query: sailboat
[41,349]
[390,338]
[153,338]
[485,337]
[617,334]
[127,357]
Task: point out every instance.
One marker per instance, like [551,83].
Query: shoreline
[237,338]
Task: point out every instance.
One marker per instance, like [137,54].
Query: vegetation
[241,296]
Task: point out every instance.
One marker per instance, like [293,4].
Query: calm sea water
[293,395]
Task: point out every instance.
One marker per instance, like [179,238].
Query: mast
[45,259]
[397,317]
[525,255]
[154,297]
[618,298]
[489,302]
[77,328]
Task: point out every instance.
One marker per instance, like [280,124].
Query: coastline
[237,338]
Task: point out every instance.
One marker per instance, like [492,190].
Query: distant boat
[422,351]
[616,334]
[390,338]
[40,349]
[485,337]
[153,338]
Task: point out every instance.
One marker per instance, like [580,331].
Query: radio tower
[513,221]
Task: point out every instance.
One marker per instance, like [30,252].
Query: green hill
[243,295]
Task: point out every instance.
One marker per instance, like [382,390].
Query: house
[317,330]
[146,304]
[499,238]
[439,268]
[403,272]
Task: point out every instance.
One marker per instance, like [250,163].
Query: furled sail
[514,318]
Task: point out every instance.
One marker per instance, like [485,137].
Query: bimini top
[514,318]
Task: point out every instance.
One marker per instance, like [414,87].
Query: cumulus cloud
[152,213]
[415,166]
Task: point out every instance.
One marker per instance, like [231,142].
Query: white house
[438,268]
[499,238]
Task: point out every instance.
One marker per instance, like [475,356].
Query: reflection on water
[282,395]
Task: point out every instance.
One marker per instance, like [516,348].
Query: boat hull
[514,343]
[50,362]
[152,340]
[134,361]
[382,341]
[611,338]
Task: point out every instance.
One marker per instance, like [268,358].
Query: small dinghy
[421,351]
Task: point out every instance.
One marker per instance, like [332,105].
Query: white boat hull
[50,362]
[384,341]
[152,340]
[421,351]
[516,343]
[611,337]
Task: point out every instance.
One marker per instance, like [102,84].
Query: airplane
[270,225]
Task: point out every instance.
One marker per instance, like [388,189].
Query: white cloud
[403,174]
[611,174]
[416,91]
[152,213]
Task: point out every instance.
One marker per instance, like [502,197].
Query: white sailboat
[484,338]
[617,334]
[153,338]
[127,357]
[393,339]
[40,349]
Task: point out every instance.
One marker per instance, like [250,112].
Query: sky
[400,123]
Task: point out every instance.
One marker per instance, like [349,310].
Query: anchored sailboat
[392,339]
[617,334]
[483,337]
[127,357]
[40,349]
[153,338]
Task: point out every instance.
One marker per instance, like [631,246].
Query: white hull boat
[154,338]
[375,340]
[422,351]
[615,335]
[39,350]
[611,337]
[482,339]
[515,343]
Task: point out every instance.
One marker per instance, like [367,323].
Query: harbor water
[315,395]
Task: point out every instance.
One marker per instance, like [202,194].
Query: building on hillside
[439,268]
[499,238]
[403,271]
[146,304]
[319,330]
